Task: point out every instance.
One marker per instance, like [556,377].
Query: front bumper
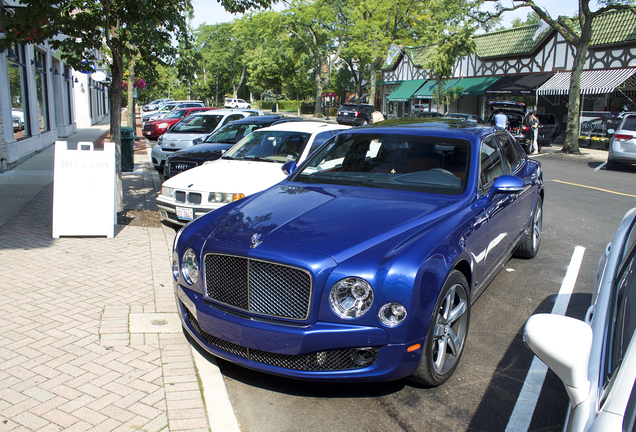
[168,210]
[321,351]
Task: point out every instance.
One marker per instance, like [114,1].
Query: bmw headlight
[224,198]
[167,191]
[392,314]
[351,297]
[190,267]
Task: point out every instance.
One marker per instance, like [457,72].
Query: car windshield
[166,108]
[177,114]
[402,162]
[270,146]
[197,124]
[232,133]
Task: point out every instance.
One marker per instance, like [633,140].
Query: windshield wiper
[258,158]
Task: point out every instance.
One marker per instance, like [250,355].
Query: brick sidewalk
[71,356]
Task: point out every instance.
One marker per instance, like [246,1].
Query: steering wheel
[442,170]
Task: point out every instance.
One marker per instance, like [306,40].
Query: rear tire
[612,165]
[530,246]
[447,333]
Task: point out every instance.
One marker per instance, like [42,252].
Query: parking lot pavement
[89,335]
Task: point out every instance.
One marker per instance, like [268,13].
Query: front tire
[530,246]
[447,333]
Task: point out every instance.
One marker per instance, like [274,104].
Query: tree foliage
[578,32]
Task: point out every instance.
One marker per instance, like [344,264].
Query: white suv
[236,103]
[251,165]
[192,130]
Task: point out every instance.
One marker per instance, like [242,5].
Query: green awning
[426,91]
[405,91]
[476,86]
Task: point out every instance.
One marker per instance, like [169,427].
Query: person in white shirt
[501,120]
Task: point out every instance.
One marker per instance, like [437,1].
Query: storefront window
[18,92]
[42,91]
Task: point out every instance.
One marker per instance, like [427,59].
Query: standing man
[501,120]
[534,125]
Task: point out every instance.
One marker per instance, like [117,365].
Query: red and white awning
[592,81]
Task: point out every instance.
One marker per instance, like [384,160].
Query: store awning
[519,84]
[592,81]
[405,91]
[426,91]
[476,86]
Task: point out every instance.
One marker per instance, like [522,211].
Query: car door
[515,162]
[501,210]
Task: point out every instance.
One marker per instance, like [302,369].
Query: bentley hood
[328,220]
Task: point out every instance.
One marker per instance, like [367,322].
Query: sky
[211,11]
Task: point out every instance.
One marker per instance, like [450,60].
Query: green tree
[222,49]
[317,32]
[578,32]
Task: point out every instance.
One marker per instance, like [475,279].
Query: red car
[155,128]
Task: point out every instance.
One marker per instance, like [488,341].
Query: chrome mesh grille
[257,286]
[331,360]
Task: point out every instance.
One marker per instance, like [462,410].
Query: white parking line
[600,166]
[527,401]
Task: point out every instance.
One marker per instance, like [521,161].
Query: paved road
[583,207]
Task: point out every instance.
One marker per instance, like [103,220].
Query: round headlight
[392,314]
[351,297]
[197,141]
[160,140]
[190,267]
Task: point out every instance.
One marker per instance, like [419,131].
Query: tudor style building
[530,64]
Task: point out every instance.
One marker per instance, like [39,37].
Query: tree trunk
[373,73]
[318,80]
[571,144]
[297,103]
[114,98]
[130,118]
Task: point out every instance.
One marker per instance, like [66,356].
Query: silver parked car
[596,358]
[622,148]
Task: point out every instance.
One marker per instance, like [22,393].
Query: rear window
[629,123]
[546,119]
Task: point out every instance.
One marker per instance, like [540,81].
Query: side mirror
[507,184]
[564,345]
[289,167]
[611,131]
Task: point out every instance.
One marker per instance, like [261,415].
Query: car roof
[267,119]
[223,112]
[429,126]
[304,126]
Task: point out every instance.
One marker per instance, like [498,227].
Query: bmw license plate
[185,213]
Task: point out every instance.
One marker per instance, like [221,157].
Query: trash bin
[274,107]
[127,148]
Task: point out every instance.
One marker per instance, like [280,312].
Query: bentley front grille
[257,286]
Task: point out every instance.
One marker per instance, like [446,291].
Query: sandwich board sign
[84,190]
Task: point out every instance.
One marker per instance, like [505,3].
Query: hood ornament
[256,240]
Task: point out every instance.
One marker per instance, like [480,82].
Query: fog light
[363,356]
[392,314]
